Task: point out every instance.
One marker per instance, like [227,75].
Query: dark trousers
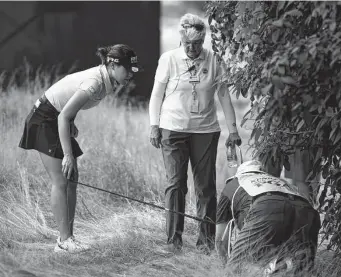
[278,225]
[201,149]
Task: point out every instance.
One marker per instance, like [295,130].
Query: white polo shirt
[175,112]
[94,81]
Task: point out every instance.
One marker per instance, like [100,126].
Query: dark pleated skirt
[41,131]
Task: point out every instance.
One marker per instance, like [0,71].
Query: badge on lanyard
[194,79]
[195,105]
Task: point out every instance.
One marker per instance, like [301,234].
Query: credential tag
[195,106]
[194,79]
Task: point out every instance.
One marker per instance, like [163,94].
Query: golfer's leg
[72,198]
[175,153]
[59,205]
[203,154]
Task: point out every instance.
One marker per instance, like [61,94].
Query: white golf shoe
[70,245]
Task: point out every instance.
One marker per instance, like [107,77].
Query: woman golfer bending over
[50,129]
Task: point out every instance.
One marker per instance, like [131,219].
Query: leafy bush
[285,56]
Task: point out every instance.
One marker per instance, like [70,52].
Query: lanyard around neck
[192,74]
[190,71]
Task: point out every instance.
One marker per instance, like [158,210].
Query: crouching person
[277,225]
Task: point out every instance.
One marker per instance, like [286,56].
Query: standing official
[183,119]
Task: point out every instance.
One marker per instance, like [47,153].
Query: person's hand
[155,136]
[233,138]
[73,130]
[69,166]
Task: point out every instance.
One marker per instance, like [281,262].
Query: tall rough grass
[127,239]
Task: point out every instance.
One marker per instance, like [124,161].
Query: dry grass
[127,239]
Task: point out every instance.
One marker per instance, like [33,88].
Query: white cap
[250,166]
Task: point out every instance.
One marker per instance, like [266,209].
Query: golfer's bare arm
[68,113]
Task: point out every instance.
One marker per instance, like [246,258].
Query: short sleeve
[224,213]
[162,71]
[221,69]
[93,88]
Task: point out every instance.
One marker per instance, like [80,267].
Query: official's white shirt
[94,81]
[175,111]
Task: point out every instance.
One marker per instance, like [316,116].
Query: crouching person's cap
[249,166]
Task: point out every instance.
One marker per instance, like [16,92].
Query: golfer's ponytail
[102,53]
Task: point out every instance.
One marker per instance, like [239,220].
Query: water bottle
[231,155]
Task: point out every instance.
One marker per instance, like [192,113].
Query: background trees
[285,56]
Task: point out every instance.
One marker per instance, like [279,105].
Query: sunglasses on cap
[130,63]
[197,27]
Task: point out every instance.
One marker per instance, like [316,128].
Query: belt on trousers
[287,195]
[41,100]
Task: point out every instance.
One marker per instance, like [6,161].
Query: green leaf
[274,153]
[332,133]
[338,137]
[281,70]
[332,26]
[280,6]
[313,51]
[275,35]
[307,117]
[307,99]
[302,58]
[287,24]
[288,80]
[329,112]
[276,80]
[292,63]
[241,7]
[325,171]
[322,123]
[210,19]
[244,91]
[214,37]
[258,133]
[266,90]
[238,36]
[296,106]
[243,122]
[286,163]
[292,140]
[294,12]
[300,125]
[278,23]
[318,154]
